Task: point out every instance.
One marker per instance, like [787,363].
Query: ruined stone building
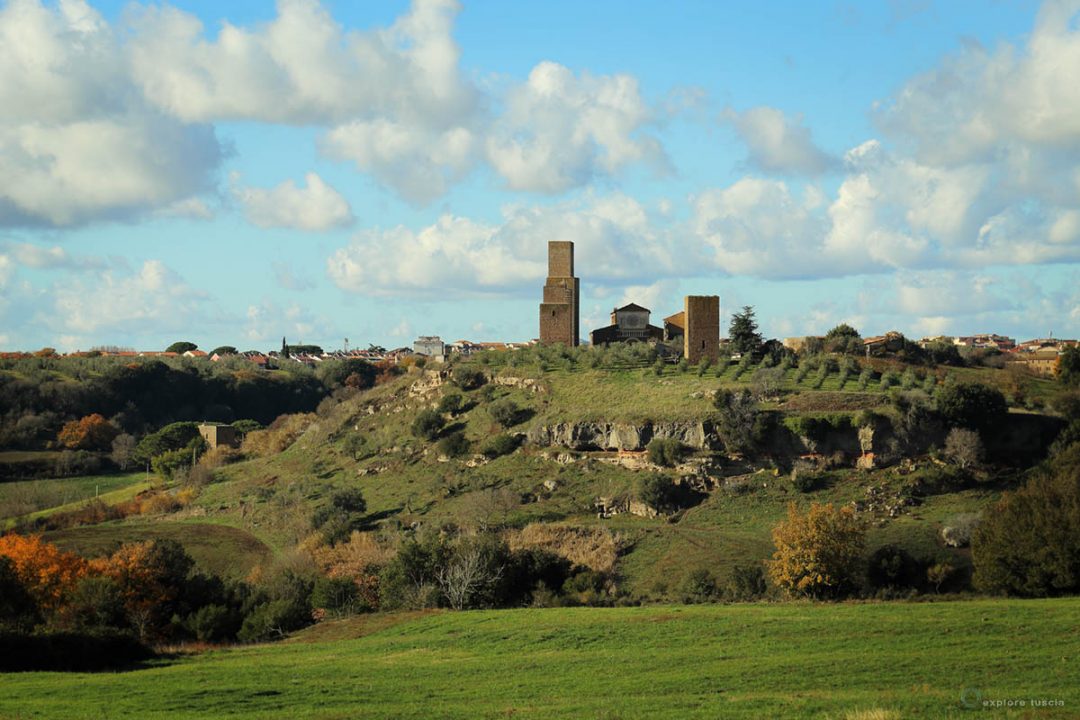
[630,323]
[560,307]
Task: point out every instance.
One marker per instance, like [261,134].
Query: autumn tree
[92,432]
[151,577]
[818,553]
[47,573]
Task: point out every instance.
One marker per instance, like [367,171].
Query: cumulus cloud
[317,206]
[152,299]
[559,130]
[78,141]
[777,143]
[268,321]
[455,255]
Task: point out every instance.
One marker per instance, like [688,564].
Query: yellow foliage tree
[46,572]
[817,553]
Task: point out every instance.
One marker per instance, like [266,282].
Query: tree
[964,448]
[972,405]
[743,331]
[224,350]
[17,607]
[817,553]
[1067,368]
[427,425]
[92,432]
[737,422]
[468,578]
[342,516]
[843,339]
[123,448]
[46,572]
[181,346]
[151,577]
[1028,543]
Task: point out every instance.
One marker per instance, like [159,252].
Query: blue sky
[380,170]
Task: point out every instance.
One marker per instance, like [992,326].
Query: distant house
[629,323]
[196,354]
[799,344]
[986,340]
[891,341]
[218,435]
[1039,362]
[430,346]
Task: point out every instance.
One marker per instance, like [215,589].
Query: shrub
[803,482]
[817,553]
[890,566]
[273,620]
[1028,543]
[738,420]
[500,445]
[666,451]
[339,595]
[213,623]
[505,412]
[745,583]
[468,378]
[427,425]
[451,403]
[658,492]
[699,586]
[454,445]
[341,516]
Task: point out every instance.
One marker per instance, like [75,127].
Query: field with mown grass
[880,661]
[31,499]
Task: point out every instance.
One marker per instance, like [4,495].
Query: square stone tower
[559,309]
[702,336]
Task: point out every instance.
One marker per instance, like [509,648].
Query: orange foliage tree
[818,553]
[92,432]
[46,572]
[151,577]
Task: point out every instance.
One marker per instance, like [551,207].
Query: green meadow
[794,660]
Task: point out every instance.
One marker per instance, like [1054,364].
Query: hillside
[878,661]
[366,442]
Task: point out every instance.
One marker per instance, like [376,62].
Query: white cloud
[77,140]
[459,256]
[317,206]
[151,300]
[560,130]
[778,144]
[268,321]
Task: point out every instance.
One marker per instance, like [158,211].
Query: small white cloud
[779,144]
[317,206]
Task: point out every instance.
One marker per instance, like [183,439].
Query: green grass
[744,661]
[41,497]
[218,549]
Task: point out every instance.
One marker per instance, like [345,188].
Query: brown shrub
[356,557]
[221,455]
[282,433]
[595,548]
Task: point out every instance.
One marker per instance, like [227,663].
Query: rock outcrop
[623,436]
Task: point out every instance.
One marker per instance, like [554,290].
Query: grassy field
[40,497]
[860,661]
[219,549]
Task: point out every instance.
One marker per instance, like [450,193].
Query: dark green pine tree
[743,331]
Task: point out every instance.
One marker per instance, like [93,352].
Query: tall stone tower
[559,309]
[702,336]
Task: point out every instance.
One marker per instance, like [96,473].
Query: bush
[451,403]
[427,425]
[738,420]
[817,553]
[454,445]
[699,587]
[273,620]
[505,412]
[890,566]
[468,378]
[1028,543]
[213,623]
[339,595]
[666,451]
[658,492]
[745,583]
[68,651]
[803,482]
[500,445]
